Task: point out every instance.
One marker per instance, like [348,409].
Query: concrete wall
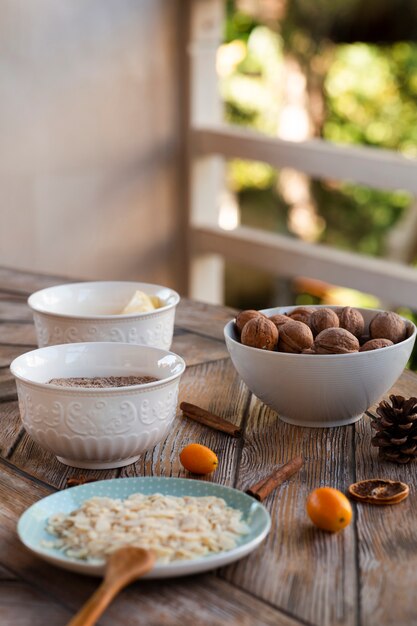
[90,138]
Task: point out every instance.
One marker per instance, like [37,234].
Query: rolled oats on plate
[176,528]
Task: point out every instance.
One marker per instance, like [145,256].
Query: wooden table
[365,575]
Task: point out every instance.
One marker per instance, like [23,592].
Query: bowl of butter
[122,311]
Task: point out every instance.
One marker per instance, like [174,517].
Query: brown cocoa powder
[102,381]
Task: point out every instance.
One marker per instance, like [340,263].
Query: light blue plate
[32,524]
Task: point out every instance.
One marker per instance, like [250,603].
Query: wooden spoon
[123,567]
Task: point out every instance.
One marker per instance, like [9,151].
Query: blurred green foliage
[357,218]
[369,96]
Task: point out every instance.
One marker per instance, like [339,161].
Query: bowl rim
[38,308]
[229,328]
[99,390]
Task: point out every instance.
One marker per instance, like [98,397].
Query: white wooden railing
[210,142]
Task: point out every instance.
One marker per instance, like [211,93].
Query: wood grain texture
[7,386]
[196,349]
[6,574]
[201,318]
[10,427]
[405,386]
[14,309]
[387,535]
[363,576]
[36,461]
[324,592]
[214,386]
[12,334]
[8,353]
[192,601]
[24,282]
[23,605]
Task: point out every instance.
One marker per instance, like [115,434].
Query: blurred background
[341,70]
[91,137]
[94,111]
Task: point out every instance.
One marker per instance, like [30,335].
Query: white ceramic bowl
[319,390]
[97,428]
[80,312]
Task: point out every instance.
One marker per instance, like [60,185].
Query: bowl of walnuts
[319,366]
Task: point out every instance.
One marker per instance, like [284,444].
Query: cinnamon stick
[264,487]
[202,416]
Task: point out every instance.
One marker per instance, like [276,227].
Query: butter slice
[139,303]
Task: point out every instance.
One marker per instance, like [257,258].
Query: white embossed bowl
[319,389]
[97,428]
[80,312]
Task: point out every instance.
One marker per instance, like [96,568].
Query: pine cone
[397,429]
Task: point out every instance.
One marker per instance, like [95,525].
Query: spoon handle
[123,567]
[95,605]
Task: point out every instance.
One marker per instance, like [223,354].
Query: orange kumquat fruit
[198,459]
[329,509]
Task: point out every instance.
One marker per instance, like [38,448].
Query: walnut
[352,320]
[323,318]
[295,337]
[278,319]
[388,325]
[259,332]
[374,344]
[335,341]
[302,314]
[245,316]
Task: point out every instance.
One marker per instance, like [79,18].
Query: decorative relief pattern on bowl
[42,331]
[86,448]
[151,334]
[40,414]
[118,419]
[161,410]
[97,418]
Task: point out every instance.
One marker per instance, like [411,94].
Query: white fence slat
[393,283]
[374,167]
[206,273]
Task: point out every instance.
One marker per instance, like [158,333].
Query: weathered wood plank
[196,349]
[163,459]
[201,318]
[17,281]
[216,387]
[7,386]
[387,543]
[203,600]
[8,353]
[405,386]
[277,572]
[13,308]
[36,461]
[6,574]
[10,427]
[23,605]
[18,334]
[273,579]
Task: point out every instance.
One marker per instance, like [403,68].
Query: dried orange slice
[379,491]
